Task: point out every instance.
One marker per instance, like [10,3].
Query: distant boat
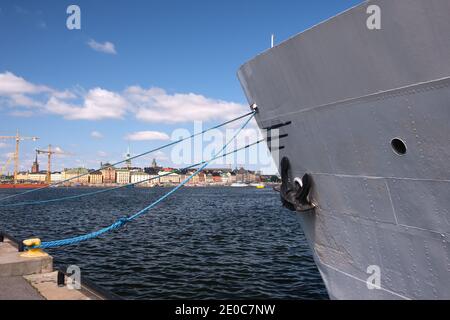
[257,185]
[239,185]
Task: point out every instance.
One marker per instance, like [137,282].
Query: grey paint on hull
[348,92]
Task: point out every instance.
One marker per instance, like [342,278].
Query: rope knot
[122,221]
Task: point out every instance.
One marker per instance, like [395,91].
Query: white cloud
[66,94]
[3,145]
[156,105]
[150,105]
[96,135]
[98,104]
[11,85]
[17,92]
[147,136]
[21,100]
[106,47]
[102,154]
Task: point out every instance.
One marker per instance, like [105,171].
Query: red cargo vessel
[22,185]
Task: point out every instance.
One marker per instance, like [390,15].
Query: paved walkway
[17,288]
[25,278]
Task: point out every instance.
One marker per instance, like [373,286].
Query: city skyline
[154,175]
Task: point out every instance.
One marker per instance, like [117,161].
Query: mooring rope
[78,196]
[124,220]
[131,158]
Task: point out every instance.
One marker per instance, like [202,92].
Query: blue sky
[173,61]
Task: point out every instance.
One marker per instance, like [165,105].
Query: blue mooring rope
[124,220]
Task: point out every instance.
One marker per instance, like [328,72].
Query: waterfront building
[73,173]
[217,177]
[56,177]
[139,176]
[240,175]
[195,180]
[122,176]
[250,177]
[226,178]
[169,178]
[108,173]
[96,177]
[22,176]
[199,179]
[209,178]
[37,177]
[247,176]
[202,178]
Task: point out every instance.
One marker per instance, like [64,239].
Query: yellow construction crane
[18,138]
[49,152]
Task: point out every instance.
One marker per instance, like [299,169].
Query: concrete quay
[33,278]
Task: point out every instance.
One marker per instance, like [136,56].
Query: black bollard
[61,279]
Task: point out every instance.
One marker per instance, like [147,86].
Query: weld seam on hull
[363,281]
[382,95]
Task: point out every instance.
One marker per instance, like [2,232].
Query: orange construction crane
[18,138]
[49,152]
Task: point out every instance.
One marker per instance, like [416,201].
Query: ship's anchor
[295,194]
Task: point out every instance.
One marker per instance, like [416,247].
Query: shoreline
[106,186]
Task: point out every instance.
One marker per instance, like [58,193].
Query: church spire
[128,162]
[35,167]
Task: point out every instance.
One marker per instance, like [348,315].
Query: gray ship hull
[348,92]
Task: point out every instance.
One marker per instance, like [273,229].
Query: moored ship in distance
[365,162]
[22,185]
